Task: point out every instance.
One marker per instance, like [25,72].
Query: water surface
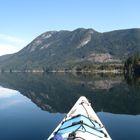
[32,105]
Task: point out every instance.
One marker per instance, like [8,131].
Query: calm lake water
[32,105]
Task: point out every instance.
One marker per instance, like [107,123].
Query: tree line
[132,65]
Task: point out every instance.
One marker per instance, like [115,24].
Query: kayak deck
[81,123]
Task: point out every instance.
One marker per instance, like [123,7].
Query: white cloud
[11,38]
[10,44]
[10,98]
[8,49]
[5,92]
[9,104]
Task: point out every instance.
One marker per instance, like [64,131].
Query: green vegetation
[132,65]
[81,49]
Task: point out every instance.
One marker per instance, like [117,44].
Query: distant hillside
[67,49]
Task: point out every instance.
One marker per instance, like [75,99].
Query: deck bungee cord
[83,126]
[81,123]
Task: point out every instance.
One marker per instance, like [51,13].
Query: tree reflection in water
[58,92]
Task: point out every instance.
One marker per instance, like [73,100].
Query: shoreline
[64,71]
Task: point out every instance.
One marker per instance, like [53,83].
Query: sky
[21,21]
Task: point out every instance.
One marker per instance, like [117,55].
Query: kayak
[81,123]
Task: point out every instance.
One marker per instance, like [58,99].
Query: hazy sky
[23,20]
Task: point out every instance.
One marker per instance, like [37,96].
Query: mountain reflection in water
[58,92]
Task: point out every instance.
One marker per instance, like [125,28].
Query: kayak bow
[81,123]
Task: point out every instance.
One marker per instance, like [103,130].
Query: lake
[32,105]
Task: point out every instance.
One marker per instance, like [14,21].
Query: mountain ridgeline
[69,49]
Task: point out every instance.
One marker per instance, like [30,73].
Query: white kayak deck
[83,122]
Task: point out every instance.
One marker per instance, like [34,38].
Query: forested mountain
[67,49]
